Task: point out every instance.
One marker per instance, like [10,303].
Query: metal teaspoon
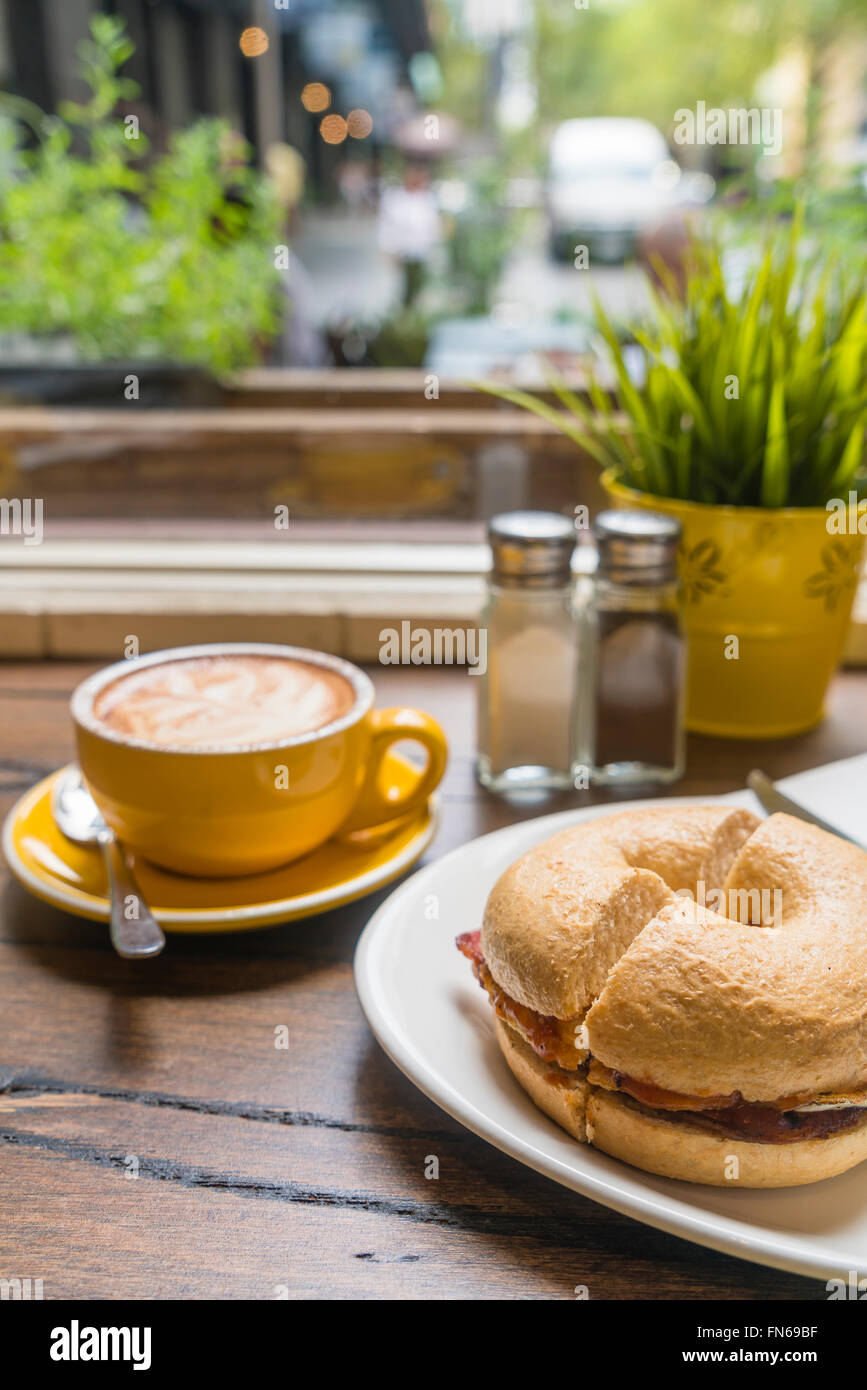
[80,819]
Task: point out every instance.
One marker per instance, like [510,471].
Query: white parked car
[609,178]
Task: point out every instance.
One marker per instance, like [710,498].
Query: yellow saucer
[73,876]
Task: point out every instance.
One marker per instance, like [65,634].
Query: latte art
[224,701]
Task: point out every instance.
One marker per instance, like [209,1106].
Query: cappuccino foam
[230,701]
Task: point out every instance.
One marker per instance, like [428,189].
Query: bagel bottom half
[565,1103]
[618,1126]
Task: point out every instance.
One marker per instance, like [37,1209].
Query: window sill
[84,598]
[78,597]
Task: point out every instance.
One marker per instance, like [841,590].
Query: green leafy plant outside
[482,238]
[755,400]
[173,261]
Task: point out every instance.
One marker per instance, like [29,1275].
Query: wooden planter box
[329,446]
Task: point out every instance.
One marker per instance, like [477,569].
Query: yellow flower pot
[768,597]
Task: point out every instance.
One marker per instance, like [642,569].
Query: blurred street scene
[453,181]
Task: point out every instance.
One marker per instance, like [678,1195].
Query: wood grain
[422,460]
[262,1173]
[162,428]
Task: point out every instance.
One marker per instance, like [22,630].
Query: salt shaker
[631,699]
[526,696]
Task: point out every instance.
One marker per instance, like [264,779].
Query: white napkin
[837,792]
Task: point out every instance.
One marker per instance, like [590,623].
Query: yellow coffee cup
[220,812]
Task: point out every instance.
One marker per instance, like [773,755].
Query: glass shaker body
[630,723]
[526,697]
[527,693]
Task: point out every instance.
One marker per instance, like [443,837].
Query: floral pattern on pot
[706,570]
[700,571]
[839,573]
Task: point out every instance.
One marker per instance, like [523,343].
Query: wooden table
[297,1173]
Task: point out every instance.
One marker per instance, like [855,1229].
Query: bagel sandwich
[696,1043]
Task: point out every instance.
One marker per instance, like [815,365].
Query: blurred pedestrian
[410,228]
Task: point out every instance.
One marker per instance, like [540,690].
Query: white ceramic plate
[433,1020]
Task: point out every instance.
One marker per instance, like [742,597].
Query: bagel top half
[588,926]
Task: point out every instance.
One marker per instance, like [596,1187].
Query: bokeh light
[359,124]
[333,130]
[254,42]
[316,97]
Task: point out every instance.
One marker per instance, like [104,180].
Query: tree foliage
[175,260]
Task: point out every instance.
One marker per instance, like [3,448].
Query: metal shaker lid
[532,547]
[637,547]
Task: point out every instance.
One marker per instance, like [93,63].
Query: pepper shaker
[631,704]
[526,696]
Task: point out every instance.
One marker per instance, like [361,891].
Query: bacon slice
[731,1116]
[469,943]
[765,1124]
[552,1039]
[654,1097]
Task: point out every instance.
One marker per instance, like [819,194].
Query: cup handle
[377,805]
